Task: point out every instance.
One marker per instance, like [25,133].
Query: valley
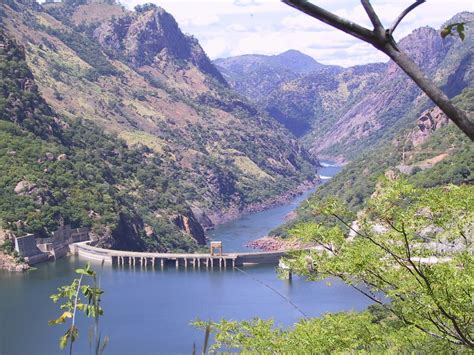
[122,144]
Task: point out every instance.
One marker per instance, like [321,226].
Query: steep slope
[321,96]
[56,171]
[136,75]
[341,112]
[429,152]
[395,99]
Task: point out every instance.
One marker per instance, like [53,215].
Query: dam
[209,261]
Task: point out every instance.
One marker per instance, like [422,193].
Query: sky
[228,28]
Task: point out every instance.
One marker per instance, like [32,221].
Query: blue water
[257,225]
[149,312]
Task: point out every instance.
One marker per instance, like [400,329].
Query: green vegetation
[182,111]
[79,296]
[358,179]
[372,331]
[70,172]
[410,253]
[88,50]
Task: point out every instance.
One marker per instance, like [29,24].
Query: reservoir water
[149,312]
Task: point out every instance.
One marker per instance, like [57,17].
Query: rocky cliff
[153,38]
[139,78]
[429,152]
[58,171]
[341,112]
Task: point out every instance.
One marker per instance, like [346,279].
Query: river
[149,312]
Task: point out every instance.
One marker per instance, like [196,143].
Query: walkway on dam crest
[162,260]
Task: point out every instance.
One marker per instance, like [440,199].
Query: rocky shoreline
[277,244]
[235,213]
[9,263]
[210,220]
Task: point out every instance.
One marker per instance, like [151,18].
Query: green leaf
[63,341]
[460,29]
[61,319]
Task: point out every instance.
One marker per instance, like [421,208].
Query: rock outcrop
[189,225]
[190,141]
[9,263]
[277,244]
[342,111]
[427,123]
[153,38]
[24,187]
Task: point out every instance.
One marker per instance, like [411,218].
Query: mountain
[429,152]
[255,76]
[162,129]
[341,112]
[57,171]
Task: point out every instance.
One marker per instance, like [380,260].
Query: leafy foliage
[99,182]
[373,331]
[358,179]
[458,27]
[79,296]
[410,252]
[411,244]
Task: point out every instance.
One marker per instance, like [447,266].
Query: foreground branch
[383,40]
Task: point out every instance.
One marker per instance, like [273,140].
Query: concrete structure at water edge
[35,250]
[220,261]
[27,248]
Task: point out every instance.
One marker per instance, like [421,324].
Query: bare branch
[387,45]
[403,14]
[331,19]
[374,18]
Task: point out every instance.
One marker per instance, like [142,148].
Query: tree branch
[403,14]
[333,20]
[456,115]
[387,45]
[378,27]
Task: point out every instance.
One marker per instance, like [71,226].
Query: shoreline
[215,218]
[276,244]
[235,213]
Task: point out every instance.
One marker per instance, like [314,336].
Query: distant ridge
[343,111]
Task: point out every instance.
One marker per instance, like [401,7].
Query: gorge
[116,125]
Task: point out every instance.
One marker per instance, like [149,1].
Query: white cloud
[234,27]
[217,47]
[204,20]
[303,22]
[246,3]
[237,27]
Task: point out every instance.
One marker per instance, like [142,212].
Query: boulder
[24,187]
[189,225]
[62,157]
[49,156]
[149,230]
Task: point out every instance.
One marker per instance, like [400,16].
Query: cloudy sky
[234,27]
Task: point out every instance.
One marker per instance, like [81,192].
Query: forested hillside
[430,152]
[61,171]
[136,75]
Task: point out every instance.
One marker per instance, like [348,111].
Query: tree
[409,251]
[382,39]
[73,295]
